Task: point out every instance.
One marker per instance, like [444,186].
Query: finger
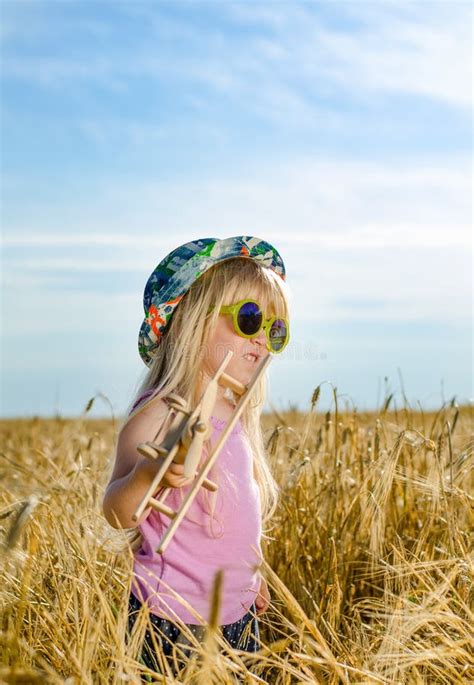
[184,481]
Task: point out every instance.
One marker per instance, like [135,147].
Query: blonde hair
[174,368]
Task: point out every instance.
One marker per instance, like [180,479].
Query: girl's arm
[133,473]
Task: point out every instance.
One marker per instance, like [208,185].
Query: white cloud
[23,238]
[379,284]
[85,264]
[332,204]
[344,229]
[294,65]
[73,312]
[415,48]
[58,72]
[377,235]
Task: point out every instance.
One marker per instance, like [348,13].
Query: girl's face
[247,352]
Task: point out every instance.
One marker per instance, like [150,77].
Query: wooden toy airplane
[183,443]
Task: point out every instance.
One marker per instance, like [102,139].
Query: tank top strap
[146,394]
[140,399]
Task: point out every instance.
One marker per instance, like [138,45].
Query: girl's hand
[263,599]
[173,478]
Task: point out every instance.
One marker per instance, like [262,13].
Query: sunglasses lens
[278,334]
[249,318]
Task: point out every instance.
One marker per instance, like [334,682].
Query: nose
[260,339]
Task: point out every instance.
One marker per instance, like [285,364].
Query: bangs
[261,284]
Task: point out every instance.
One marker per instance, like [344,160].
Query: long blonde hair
[174,368]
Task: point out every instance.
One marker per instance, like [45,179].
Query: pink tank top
[202,544]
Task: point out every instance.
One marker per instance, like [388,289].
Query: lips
[251,356]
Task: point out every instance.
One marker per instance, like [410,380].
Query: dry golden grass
[370,560]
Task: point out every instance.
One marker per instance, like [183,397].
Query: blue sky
[339,131]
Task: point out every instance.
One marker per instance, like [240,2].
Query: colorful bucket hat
[175,274]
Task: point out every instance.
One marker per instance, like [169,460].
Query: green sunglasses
[248,322]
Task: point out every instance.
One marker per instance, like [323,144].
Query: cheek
[232,341]
[239,346]
[226,335]
[235,342]
[224,339]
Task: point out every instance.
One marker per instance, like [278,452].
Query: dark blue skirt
[243,634]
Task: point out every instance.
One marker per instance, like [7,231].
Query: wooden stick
[212,457]
[161,507]
[173,439]
[154,484]
[232,383]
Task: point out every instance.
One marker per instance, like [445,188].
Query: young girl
[205,298]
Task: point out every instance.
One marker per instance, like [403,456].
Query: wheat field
[368,557]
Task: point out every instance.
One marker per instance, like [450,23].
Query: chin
[248,370]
